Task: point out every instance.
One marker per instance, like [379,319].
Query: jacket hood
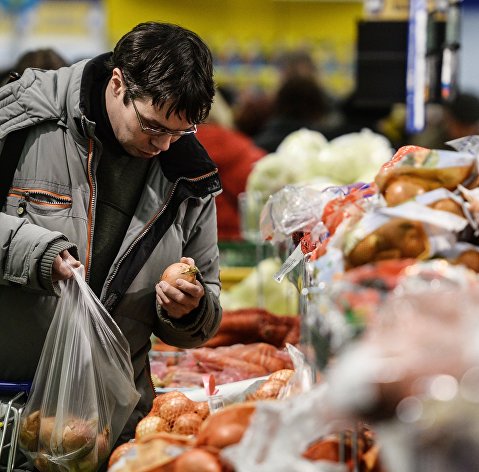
[41,96]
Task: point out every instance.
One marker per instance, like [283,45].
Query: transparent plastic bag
[83,391]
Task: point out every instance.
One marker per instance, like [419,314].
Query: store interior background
[246,36]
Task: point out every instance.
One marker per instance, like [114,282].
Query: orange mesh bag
[173,412]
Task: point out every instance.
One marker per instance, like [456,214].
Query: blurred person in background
[452,119]
[46,58]
[299,103]
[235,154]
[111,175]
[254,109]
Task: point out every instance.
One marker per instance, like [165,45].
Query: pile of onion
[173,412]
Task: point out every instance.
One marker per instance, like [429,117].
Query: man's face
[131,123]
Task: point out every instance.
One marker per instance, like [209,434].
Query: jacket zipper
[41,197]
[150,224]
[91,206]
[152,384]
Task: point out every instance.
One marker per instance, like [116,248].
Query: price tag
[289,264]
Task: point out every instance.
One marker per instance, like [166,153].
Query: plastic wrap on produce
[279,432]
[427,328]
[336,314]
[301,208]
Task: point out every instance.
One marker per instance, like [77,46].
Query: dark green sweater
[120,181]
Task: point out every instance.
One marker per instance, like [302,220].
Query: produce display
[227,364]
[259,289]
[386,263]
[358,448]
[173,412]
[255,325]
[185,436]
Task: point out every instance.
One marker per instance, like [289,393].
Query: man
[111,176]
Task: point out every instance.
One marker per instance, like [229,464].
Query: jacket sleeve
[200,325]
[23,247]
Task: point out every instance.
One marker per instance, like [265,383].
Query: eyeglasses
[161,131]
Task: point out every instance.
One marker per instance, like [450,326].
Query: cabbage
[305,155]
[259,289]
[354,157]
[303,142]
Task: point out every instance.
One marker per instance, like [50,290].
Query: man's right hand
[61,271]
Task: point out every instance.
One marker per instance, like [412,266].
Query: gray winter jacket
[52,201]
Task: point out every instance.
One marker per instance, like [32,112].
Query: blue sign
[17,6]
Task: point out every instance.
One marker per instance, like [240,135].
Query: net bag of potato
[83,391]
[414,170]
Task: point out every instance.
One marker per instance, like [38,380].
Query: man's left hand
[181,300]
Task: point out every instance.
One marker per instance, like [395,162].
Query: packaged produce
[255,325]
[421,170]
[227,364]
[83,391]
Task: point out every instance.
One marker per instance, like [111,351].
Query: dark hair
[166,62]
[464,108]
[40,58]
[301,97]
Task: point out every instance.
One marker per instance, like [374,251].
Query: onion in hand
[179,270]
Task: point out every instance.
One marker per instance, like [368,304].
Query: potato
[364,251]
[401,190]
[470,259]
[448,204]
[413,242]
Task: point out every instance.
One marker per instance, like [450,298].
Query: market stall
[382,373]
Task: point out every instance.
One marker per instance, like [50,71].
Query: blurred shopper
[235,154]
[252,111]
[356,115]
[299,103]
[46,58]
[454,119]
[256,113]
[112,176]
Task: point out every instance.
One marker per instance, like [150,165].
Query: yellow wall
[244,20]
[328,29]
